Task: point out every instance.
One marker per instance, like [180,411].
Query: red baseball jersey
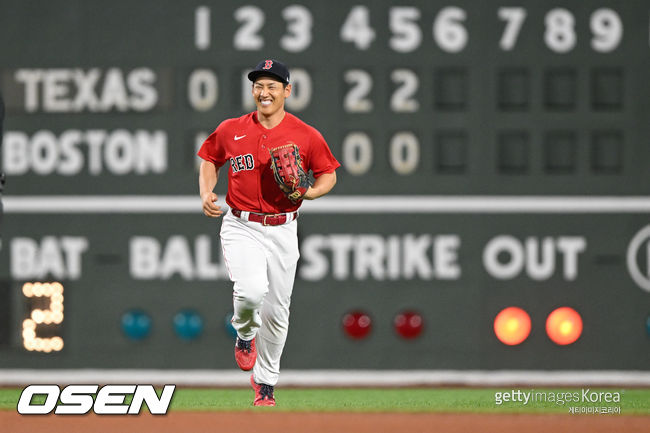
[245,143]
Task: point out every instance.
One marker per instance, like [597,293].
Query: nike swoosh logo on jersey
[239,137]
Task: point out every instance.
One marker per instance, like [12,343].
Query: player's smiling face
[269,95]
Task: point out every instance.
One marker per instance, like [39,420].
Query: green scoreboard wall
[493,155]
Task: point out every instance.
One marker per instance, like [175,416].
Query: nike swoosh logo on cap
[239,137]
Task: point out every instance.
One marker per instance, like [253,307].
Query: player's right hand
[210,207]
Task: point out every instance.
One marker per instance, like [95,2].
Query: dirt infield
[241,422]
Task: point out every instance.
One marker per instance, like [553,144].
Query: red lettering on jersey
[268,64]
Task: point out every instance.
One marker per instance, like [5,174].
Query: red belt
[268,219]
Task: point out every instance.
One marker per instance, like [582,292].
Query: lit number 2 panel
[45,302]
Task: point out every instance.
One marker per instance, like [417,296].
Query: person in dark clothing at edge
[2,175]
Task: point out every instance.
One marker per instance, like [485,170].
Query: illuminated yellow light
[37,289]
[47,290]
[29,334]
[28,290]
[29,323]
[57,344]
[29,345]
[56,298]
[57,317]
[57,288]
[512,326]
[38,316]
[564,326]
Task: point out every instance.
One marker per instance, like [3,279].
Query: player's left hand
[297,194]
[323,184]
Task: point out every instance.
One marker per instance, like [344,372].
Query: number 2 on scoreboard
[52,315]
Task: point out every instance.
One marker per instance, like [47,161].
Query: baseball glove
[287,169]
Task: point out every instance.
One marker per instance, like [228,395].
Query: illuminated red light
[408,324]
[512,326]
[357,324]
[564,326]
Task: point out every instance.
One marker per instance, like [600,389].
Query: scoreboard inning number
[448,29]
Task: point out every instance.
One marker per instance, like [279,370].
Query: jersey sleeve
[321,159]
[212,149]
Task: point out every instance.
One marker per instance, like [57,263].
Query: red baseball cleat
[245,353]
[263,394]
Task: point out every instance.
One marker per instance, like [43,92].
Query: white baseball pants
[261,261]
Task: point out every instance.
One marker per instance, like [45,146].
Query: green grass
[481,400]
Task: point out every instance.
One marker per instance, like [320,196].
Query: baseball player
[270,151]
